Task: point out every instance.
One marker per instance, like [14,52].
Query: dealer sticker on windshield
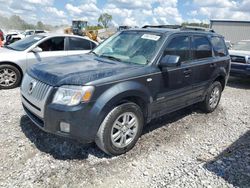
[37,38]
[150,37]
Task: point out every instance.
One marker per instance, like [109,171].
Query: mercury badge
[32,85]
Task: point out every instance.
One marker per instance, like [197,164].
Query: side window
[219,46]
[179,46]
[53,44]
[201,48]
[79,44]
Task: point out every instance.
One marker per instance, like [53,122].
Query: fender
[113,96]
[221,71]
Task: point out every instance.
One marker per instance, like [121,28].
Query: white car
[17,57]
[13,36]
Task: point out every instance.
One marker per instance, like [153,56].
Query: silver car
[17,57]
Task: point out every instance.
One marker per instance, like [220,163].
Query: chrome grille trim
[238,59]
[37,96]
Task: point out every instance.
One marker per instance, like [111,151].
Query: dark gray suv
[107,96]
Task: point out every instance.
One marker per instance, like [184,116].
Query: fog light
[64,127]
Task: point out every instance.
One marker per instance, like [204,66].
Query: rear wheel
[120,129]
[212,98]
[10,77]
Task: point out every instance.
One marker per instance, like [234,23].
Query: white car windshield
[242,45]
[137,47]
[23,44]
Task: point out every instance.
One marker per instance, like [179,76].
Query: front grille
[35,94]
[40,89]
[238,59]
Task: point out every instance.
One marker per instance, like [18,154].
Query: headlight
[73,95]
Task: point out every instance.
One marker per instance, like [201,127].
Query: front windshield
[131,47]
[23,44]
[242,45]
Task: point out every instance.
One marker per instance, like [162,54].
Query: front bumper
[240,70]
[79,118]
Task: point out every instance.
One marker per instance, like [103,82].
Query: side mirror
[170,61]
[37,49]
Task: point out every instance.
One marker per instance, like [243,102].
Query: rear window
[219,46]
[80,44]
[201,48]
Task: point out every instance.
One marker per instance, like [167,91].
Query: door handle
[212,65]
[187,71]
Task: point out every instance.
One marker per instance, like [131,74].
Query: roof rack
[194,28]
[163,26]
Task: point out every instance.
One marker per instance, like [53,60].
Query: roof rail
[163,26]
[194,28]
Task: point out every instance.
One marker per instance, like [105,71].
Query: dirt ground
[184,149]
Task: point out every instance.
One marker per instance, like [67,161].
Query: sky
[126,12]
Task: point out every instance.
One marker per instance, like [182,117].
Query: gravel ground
[184,149]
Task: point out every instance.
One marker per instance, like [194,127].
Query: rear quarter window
[219,46]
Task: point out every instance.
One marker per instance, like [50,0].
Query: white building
[232,30]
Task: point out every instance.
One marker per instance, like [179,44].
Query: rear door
[204,64]
[52,48]
[176,82]
[76,46]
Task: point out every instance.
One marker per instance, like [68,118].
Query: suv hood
[78,70]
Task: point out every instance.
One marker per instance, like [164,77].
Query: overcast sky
[126,12]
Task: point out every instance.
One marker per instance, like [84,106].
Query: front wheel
[10,77]
[212,98]
[120,129]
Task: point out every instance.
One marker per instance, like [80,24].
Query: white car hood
[8,54]
[239,52]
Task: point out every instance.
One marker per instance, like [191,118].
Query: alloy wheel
[8,77]
[124,129]
[214,97]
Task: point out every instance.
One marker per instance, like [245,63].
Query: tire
[10,77]
[212,98]
[113,130]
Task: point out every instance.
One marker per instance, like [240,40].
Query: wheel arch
[222,80]
[13,64]
[128,91]
[220,75]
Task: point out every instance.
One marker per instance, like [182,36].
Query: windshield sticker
[151,37]
[37,38]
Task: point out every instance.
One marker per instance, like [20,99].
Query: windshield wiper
[94,53]
[111,57]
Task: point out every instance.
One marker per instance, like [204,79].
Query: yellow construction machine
[79,27]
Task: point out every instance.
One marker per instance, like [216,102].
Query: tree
[201,24]
[40,25]
[104,19]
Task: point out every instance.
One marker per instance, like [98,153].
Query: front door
[52,48]
[176,82]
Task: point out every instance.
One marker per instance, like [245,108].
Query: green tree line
[16,23]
